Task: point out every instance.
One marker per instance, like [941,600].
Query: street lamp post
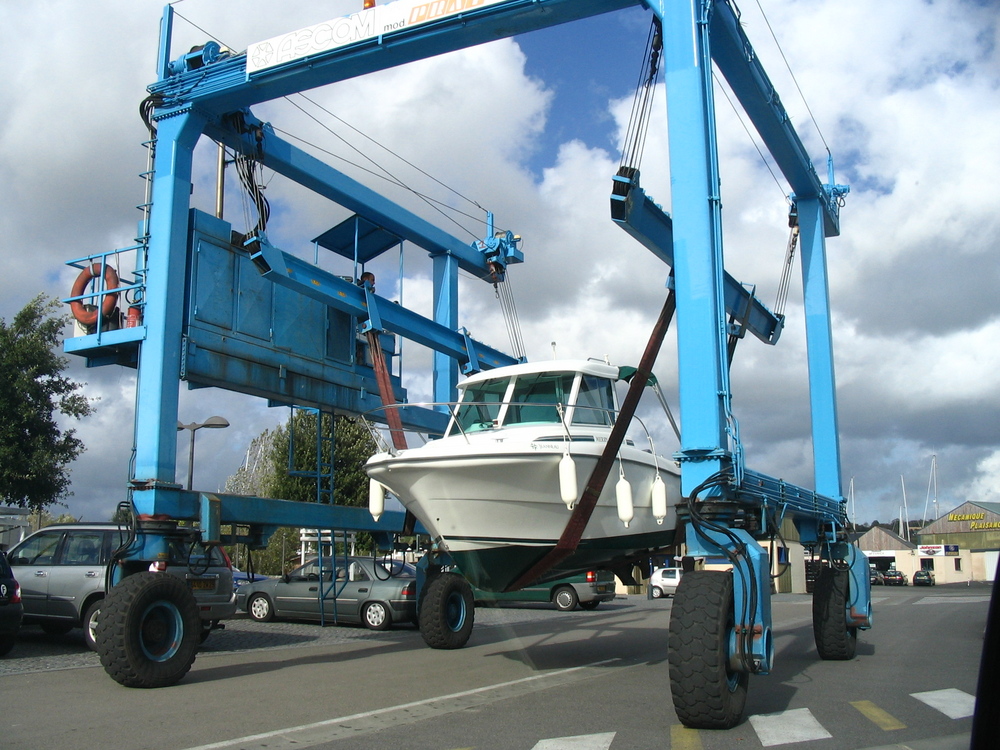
[214,422]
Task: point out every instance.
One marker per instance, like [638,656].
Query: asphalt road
[531,678]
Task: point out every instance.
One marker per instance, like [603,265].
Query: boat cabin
[574,393]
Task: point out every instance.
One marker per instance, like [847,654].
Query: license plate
[202,584]
[601,589]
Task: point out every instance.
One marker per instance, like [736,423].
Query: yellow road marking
[684,738]
[876,715]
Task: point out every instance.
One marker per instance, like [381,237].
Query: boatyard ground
[530,674]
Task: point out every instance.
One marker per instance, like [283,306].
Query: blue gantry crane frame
[209,91]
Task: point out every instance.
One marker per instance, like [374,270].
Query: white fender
[623,492]
[376,499]
[658,499]
[568,490]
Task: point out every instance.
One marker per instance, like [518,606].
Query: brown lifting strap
[584,509]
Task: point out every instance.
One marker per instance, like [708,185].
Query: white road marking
[952,600]
[784,727]
[329,730]
[580,742]
[953,703]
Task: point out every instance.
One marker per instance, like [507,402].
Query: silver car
[351,590]
[61,570]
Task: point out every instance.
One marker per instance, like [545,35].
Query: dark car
[586,589]
[923,578]
[877,577]
[11,609]
[895,578]
[352,590]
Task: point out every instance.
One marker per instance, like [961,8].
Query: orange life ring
[109,302]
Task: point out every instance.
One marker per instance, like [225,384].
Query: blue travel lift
[215,307]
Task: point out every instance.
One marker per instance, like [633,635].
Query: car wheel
[90,624]
[147,634]
[447,611]
[376,616]
[260,608]
[591,604]
[56,628]
[834,639]
[657,592]
[6,644]
[565,598]
[707,693]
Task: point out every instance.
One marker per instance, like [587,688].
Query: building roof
[878,539]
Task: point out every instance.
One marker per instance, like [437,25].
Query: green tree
[34,450]
[295,478]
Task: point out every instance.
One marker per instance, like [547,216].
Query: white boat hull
[495,504]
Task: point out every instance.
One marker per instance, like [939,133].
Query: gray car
[61,570]
[352,590]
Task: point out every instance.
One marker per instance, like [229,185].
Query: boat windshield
[595,404]
[481,403]
[534,399]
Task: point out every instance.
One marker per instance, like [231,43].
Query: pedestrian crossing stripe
[683,738]
[580,742]
[953,703]
[785,727]
[882,719]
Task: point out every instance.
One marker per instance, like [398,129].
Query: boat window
[595,402]
[535,397]
[481,405]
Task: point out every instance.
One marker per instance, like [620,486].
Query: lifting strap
[584,509]
[392,417]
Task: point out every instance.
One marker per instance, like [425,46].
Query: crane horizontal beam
[738,63]
[297,274]
[226,85]
[638,215]
[306,170]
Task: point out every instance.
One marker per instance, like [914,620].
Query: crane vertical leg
[721,621]
[160,355]
[819,338]
[445,270]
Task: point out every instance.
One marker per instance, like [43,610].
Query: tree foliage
[34,450]
[296,478]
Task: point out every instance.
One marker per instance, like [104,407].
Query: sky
[906,96]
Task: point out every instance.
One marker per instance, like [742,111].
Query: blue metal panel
[819,338]
[357,238]
[445,368]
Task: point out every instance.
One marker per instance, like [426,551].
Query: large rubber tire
[375,616]
[148,631]
[7,643]
[591,605]
[90,624]
[260,608]
[835,641]
[447,611]
[565,598]
[706,693]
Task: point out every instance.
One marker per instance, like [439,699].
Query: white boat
[497,490]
